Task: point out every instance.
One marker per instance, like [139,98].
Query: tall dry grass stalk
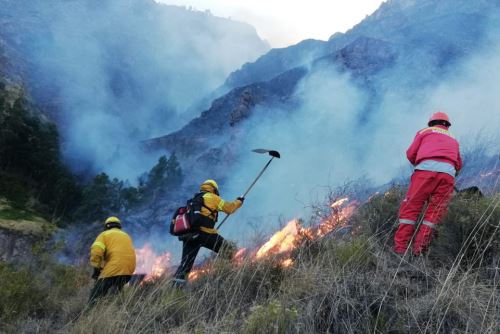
[342,283]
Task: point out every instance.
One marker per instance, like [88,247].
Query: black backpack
[187,219]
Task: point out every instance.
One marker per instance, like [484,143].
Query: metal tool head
[274,154]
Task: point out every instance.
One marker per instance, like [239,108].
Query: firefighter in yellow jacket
[207,236]
[112,256]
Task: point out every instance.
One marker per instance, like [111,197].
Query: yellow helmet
[212,183]
[112,219]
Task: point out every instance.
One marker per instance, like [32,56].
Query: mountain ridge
[117,72]
[386,20]
[407,63]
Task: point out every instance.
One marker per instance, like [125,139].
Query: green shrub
[378,216]
[15,214]
[470,233]
[66,280]
[272,318]
[21,293]
[353,253]
[38,292]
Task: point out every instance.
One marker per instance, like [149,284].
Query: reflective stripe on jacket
[436,166]
[215,204]
[435,143]
[114,253]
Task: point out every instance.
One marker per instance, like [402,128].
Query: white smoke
[473,99]
[329,141]
[125,71]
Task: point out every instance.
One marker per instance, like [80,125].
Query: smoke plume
[329,140]
[119,72]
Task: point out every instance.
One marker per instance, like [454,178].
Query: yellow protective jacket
[215,204]
[114,253]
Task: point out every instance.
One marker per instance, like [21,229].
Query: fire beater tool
[273,154]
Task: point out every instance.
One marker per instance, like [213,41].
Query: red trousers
[425,186]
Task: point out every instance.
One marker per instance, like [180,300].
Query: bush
[14,188]
[378,217]
[337,284]
[469,235]
[39,292]
[272,318]
[22,294]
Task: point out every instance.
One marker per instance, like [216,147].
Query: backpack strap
[215,213]
[203,203]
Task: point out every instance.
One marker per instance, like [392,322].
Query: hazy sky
[285,22]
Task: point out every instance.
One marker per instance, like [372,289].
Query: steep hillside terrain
[346,107]
[313,256]
[445,31]
[339,283]
[422,41]
[116,73]
[31,169]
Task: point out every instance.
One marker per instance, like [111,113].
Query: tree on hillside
[104,196]
[164,176]
[97,198]
[30,160]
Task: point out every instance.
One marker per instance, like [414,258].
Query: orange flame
[239,256]
[195,274]
[288,238]
[150,263]
[287,263]
[338,203]
[282,243]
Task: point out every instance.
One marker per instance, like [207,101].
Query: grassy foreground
[338,284]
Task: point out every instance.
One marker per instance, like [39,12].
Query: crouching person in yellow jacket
[112,256]
[207,236]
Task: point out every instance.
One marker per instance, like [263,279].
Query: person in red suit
[435,154]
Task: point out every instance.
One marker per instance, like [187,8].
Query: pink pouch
[181,224]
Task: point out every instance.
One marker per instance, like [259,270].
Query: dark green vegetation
[31,171]
[33,176]
[104,196]
[50,291]
[13,214]
[348,283]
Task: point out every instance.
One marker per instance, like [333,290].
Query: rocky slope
[391,61]
[416,38]
[117,73]
[21,232]
[442,29]
[363,58]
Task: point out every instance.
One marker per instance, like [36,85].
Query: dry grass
[339,284]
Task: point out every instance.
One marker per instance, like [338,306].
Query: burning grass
[150,264]
[282,244]
[328,282]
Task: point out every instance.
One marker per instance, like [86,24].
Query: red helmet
[440,116]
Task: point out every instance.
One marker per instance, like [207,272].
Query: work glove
[242,199]
[96,273]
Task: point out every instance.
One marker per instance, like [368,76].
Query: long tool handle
[249,188]
[258,177]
